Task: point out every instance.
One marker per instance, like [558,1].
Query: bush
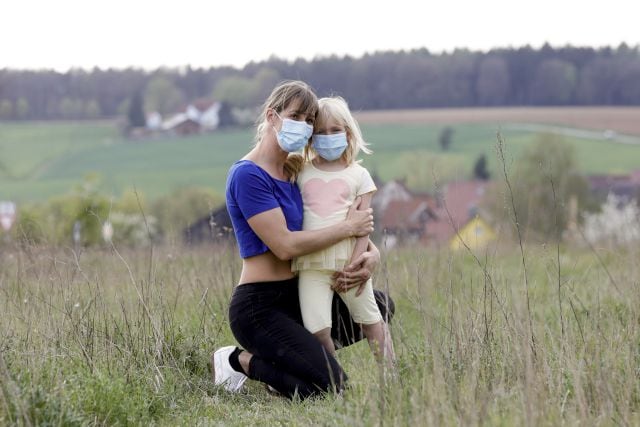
[133,229]
[183,207]
[28,227]
[83,213]
[545,178]
[445,138]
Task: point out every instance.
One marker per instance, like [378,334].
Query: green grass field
[102,339]
[546,336]
[39,160]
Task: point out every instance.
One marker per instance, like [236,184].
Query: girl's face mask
[330,147]
[293,135]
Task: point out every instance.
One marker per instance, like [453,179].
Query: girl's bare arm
[362,242]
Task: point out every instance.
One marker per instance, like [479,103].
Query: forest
[522,76]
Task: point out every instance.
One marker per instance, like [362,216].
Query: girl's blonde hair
[336,108]
[281,97]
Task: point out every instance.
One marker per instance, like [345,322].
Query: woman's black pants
[265,319]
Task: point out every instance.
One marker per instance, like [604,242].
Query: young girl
[330,182]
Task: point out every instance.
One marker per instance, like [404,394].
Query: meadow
[44,159]
[108,337]
[538,334]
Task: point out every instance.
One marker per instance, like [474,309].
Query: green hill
[39,160]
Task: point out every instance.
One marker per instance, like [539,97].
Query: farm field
[106,338]
[40,160]
[623,120]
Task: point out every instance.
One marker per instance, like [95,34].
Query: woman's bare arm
[271,228]
[358,272]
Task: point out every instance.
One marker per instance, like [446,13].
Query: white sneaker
[223,373]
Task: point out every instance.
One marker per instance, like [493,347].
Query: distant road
[613,120]
[607,135]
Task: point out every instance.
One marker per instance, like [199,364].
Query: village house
[394,190]
[451,218]
[200,116]
[212,228]
[182,125]
[475,234]
[154,121]
[624,187]
[406,220]
[460,216]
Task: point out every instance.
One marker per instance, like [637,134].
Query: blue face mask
[330,147]
[293,135]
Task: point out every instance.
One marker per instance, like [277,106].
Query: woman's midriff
[265,267]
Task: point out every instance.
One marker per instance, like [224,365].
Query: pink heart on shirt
[324,198]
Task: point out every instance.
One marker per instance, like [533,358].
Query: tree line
[521,76]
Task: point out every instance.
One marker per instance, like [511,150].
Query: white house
[199,116]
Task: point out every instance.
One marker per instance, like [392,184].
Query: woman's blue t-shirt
[251,190]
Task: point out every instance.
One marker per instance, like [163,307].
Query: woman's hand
[360,222]
[358,272]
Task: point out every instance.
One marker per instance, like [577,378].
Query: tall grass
[124,338]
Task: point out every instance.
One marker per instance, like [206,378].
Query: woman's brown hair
[281,97]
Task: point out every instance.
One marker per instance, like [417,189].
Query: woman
[265,206]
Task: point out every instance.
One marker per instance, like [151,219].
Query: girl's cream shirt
[327,197]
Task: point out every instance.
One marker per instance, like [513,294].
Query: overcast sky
[61,34]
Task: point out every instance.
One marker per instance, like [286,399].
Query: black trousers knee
[265,319]
[344,330]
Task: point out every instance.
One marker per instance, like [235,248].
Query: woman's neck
[268,155]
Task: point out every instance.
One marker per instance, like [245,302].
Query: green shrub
[183,207]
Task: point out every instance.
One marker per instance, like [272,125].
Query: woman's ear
[271,116]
